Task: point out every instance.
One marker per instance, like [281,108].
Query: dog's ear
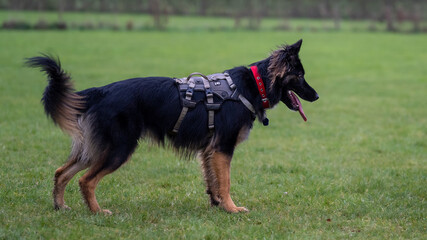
[296,46]
[279,60]
[278,64]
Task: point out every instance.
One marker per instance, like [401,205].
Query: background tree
[159,12]
[389,16]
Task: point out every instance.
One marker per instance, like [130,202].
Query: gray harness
[219,84]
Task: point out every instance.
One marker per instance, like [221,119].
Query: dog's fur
[105,123]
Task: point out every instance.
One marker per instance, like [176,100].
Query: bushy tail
[60,101]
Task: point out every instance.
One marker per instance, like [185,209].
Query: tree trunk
[416,17]
[337,17]
[204,4]
[389,4]
[61,5]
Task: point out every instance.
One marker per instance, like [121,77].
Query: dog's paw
[106,212]
[239,209]
[242,209]
[234,209]
[62,207]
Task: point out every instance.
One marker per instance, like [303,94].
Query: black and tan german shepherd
[105,123]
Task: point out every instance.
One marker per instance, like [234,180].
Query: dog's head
[287,73]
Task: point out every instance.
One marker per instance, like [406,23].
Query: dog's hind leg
[111,161]
[88,183]
[62,176]
[221,164]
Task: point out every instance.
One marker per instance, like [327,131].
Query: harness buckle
[209,92]
[188,103]
[189,92]
[266,102]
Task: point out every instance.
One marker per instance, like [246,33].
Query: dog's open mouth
[296,104]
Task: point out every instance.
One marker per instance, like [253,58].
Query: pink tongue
[301,112]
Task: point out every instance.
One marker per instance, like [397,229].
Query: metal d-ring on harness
[219,84]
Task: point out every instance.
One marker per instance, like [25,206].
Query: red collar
[261,87]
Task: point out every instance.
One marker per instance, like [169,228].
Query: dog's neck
[273,93]
[246,85]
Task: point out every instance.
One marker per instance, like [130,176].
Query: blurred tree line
[389,11]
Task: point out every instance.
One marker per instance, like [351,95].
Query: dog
[106,123]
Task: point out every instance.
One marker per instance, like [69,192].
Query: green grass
[357,168]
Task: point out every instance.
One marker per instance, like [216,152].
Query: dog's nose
[315,97]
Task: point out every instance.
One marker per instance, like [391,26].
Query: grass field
[357,168]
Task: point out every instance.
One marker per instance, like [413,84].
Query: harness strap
[180,119]
[209,100]
[247,104]
[188,96]
[229,81]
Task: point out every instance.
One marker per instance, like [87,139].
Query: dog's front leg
[221,164]
[210,176]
